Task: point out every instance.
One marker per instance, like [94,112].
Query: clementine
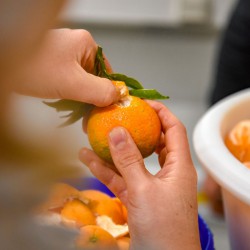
[102,204]
[77,211]
[123,243]
[132,113]
[124,209]
[94,237]
[59,194]
[91,194]
[238,141]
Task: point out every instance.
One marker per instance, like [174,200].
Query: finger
[161,144]
[176,140]
[102,171]
[162,157]
[85,87]
[126,156]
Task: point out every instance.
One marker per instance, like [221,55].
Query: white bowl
[231,174]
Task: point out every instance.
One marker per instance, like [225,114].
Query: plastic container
[206,236]
[231,175]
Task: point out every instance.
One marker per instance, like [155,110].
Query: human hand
[162,208]
[63,69]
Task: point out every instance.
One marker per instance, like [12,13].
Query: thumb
[93,89]
[126,156]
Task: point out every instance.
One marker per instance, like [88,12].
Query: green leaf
[77,109]
[63,105]
[100,66]
[129,81]
[73,117]
[151,94]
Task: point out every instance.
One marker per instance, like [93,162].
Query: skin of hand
[162,208]
[63,69]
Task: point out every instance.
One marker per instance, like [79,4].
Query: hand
[162,208]
[63,68]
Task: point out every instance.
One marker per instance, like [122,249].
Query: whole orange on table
[132,113]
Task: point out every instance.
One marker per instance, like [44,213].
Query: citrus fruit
[132,113]
[247,164]
[92,194]
[77,211]
[102,204]
[123,243]
[94,237]
[59,194]
[238,141]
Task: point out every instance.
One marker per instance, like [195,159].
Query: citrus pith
[132,113]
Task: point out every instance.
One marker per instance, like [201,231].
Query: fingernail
[118,138]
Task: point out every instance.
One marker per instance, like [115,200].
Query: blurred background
[169,45]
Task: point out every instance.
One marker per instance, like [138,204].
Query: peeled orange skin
[134,114]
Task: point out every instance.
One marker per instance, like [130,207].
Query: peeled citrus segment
[238,141]
[107,224]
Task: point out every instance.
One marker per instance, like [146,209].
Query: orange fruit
[238,141]
[77,211]
[132,113]
[123,243]
[102,204]
[124,209]
[60,193]
[108,207]
[94,237]
[91,194]
[247,164]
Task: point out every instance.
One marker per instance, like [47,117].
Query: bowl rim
[207,145]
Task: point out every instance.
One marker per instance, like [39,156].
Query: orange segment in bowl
[238,141]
